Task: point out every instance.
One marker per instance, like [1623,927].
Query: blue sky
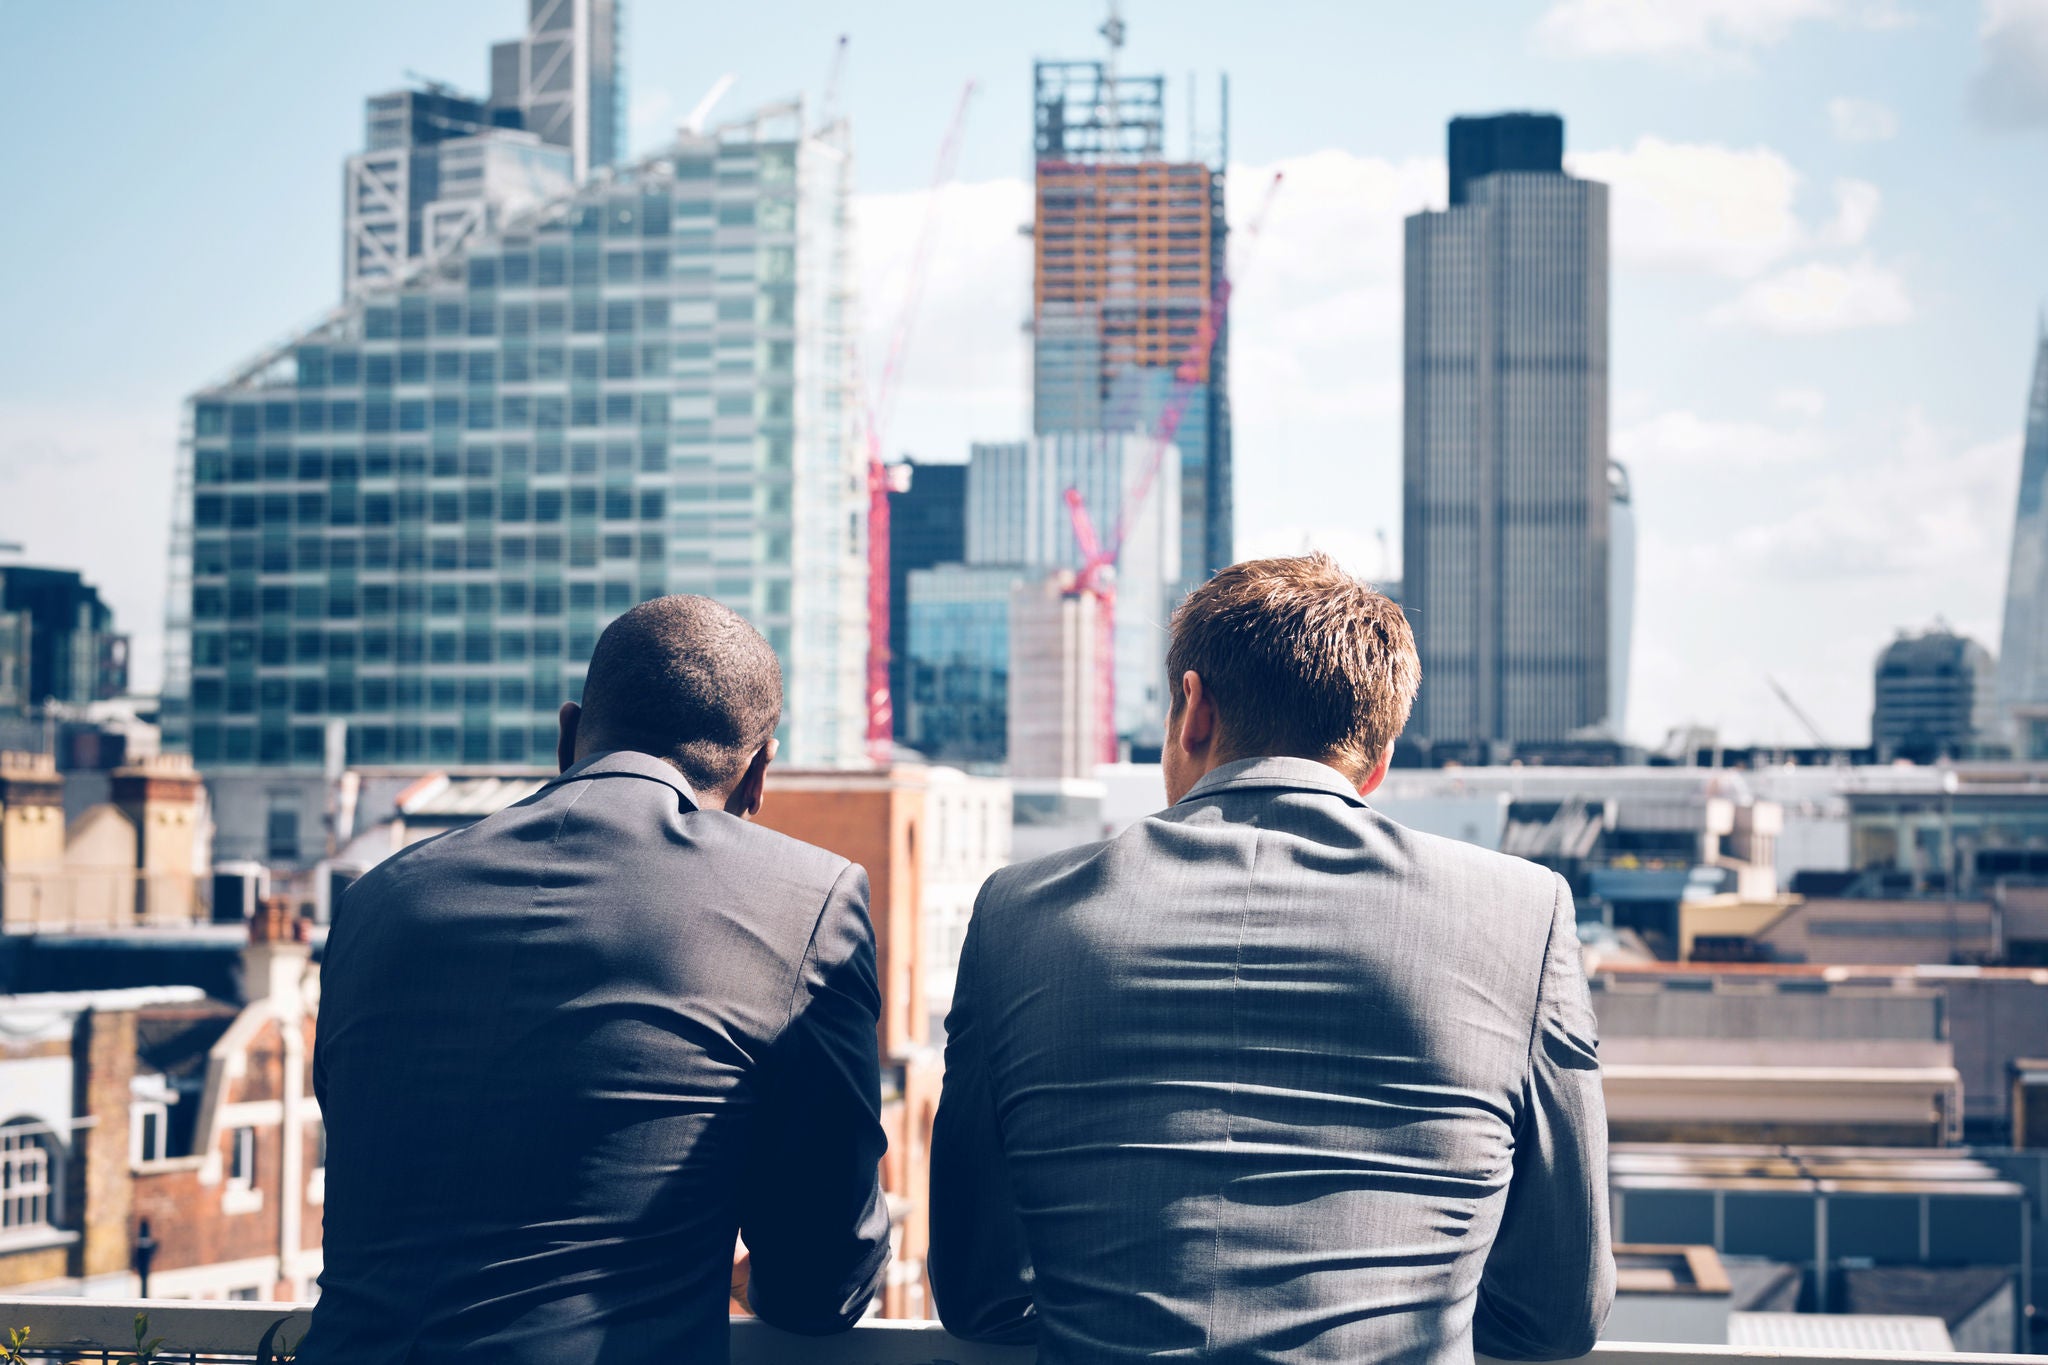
[1828,246]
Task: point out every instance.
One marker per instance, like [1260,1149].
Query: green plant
[147,1348]
[14,1351]
[282,1351]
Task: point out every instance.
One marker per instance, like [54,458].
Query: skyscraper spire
[2023,647]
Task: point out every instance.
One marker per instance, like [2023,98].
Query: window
[24,1178]
[281,836]
[148,1131]
[242,1159]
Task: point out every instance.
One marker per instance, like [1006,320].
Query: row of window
[303,745]
[579,550]
[275,553]
[408,692]
[343,464]
[508,502]
[510,598]
[545,412]
[419,316]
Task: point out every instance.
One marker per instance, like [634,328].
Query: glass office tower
[404,529]
[2023,646]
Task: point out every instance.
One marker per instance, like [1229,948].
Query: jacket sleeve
[1549,1279]
[812,1211]
[979,1264]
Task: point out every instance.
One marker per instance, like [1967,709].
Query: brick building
[161,1117]
[878,818]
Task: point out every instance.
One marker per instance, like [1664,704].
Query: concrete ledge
[225,1329]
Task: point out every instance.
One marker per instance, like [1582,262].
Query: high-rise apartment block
[437,165]
[1017,515]
[413,520]
[1128,251]
[2023,647]
[1505,477]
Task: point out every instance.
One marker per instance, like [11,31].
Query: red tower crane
[881,711]
[1097,576]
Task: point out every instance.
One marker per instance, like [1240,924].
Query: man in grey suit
[567,1053]
[1268,1076]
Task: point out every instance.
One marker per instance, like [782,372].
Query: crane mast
[881,710]
[1097,575]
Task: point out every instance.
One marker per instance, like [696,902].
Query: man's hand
[742,1268]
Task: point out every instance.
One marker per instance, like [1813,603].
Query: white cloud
[1698,205]
[1732,211]
[1856,205]
[1855,120]
[1800,401]
[1867,525]
[650,120]
[1684,438]
[1624,28]
[1821,296]
[2010,88]
[965,369]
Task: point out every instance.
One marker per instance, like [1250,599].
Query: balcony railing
[96,1331]
[76,900]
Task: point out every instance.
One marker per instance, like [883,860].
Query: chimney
[31,812]
[275,960]
[160,795]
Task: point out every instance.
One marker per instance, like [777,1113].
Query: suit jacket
[566,1053]
[1269,1077]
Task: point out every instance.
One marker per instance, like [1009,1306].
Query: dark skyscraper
[927,526]
[1505,469]
[1503,142]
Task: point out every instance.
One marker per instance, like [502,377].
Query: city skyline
[1771,176]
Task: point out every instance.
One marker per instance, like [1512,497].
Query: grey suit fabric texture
[565,1054]
[1270,1077]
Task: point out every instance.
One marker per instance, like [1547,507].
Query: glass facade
[955,706]
[416,518]
[2023,645]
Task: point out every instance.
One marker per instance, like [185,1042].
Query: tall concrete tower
[1505,470]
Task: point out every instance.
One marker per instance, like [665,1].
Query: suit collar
[631,763]
[1297,774]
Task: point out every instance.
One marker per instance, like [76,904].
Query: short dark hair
[1301,659]
[688,681]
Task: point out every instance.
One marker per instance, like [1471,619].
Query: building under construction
[1128,254]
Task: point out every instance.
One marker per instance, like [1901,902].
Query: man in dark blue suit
[567,1054]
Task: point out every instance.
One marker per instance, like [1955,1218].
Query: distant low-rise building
[138,859]
[159,1129]
[1936,698]
[57,641]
